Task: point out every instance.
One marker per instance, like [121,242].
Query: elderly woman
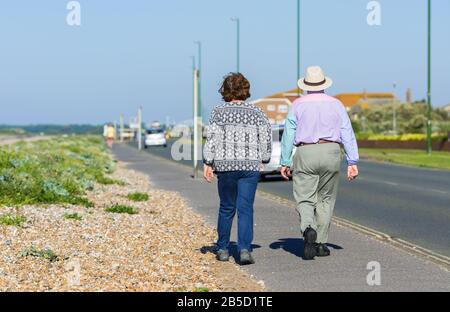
[239,140]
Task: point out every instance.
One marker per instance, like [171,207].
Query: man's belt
[321,141]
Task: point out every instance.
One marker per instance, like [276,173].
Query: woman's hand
[208,173]
[286,173]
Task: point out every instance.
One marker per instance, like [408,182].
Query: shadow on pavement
[232,249]
[295,246]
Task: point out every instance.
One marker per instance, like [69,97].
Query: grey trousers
[316,178]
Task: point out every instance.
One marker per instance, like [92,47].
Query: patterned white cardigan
[239,138]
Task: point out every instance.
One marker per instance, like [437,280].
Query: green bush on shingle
[57,170]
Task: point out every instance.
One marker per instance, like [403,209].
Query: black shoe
[310,237]
[246,257]
[322,250]
[222,255]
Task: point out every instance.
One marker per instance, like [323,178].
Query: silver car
[274,167]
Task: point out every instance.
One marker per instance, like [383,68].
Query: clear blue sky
[137,52]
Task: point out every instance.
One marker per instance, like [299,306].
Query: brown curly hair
[235,87]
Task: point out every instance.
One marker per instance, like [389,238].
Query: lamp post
[429,126]
[139,134]
[199,45]
[197,110]
[298,45]
[238,42]
[394,113]
[121,128]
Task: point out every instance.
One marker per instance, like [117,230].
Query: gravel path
[158,249]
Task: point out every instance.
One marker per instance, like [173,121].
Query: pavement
[278,246]
[417,200]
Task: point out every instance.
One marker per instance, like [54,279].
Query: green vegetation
[72,216]
[12,131]
[45,254]
[59,170]
[52,129]
[201,289]
[400,137]
[411,119]
[12,220]
[439,160]
[121,209]
[138,197]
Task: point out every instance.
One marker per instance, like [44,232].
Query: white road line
[441,192]
[406,186]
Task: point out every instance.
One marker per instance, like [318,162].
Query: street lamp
[298,45]
[197,110]
[193,83]
[394,113]
[238,42]
[429,128]
[199,45]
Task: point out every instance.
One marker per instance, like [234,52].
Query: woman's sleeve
[211,140]
[265,138]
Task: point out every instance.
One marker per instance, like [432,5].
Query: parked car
[274,167]
[155,137]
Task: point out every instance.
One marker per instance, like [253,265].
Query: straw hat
[315,80]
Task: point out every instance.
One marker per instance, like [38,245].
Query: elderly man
[317,125]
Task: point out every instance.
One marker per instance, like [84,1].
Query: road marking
[441,192]
[404,186]
[409,247]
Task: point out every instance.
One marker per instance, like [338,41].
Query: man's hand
[352,172]
[286,172]
[208,173]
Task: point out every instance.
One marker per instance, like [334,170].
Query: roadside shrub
[73,216]
[58,170]
[47,254]
[402,137]
[121,209]
[138,197]
[12,220]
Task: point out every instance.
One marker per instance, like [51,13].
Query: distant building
[409,96]
[447,109]
[364,99]
[276,106]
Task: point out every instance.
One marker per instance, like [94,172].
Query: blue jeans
[237,192]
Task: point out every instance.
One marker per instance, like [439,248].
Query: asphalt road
[278,246]
[405,202]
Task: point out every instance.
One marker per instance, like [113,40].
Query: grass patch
[12,220]
[54,171]
[102,179]
[34,252]
[72,216]
[418,158]
[138,197]
[201,289]
[121,209]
